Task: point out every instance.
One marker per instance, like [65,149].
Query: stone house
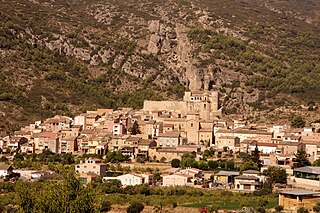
[93,165]
[68,145]
[247,183]
[57,123]
[169,139]
[289,148]
[46,141]
[294,199]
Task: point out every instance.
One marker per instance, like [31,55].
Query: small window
[191,124]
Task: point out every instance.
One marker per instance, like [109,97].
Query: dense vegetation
[272,70]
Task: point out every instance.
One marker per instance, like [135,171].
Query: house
[289,148]
[129,179]
[5,170]
[197,174]
[254,173]
[46,141]
[57,123]
[177,180]
[308,175]
[38,175]
[227,141]
[226,177]
[94,165]
[16,142]
[169,139]
[247,183]
[295,199]
[143,148]
[265,148]
[68,145]
[88,177]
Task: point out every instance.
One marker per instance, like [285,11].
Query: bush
[135,207]
[278,208]
[174,204]
[302,210]
[175,163]
[105,206]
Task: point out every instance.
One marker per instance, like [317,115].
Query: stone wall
[177,106]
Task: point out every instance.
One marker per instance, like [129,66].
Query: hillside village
[169,131]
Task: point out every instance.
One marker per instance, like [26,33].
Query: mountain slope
[62,57]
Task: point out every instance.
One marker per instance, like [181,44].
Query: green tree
[4,159]
[213,165]
[135,207]
[188,160]
[230,164]
[276,174]
[67,195]
[316,162]
[249,165]
[301,159]
[298,122]
[135,128]
[163,160]
[175,163]
[256,157]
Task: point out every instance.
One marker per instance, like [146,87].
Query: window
[191,124]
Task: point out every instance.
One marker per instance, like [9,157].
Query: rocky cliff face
[236,47]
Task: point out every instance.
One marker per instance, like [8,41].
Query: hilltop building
[205,103]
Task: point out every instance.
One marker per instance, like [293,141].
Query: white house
[265,148]
[177,180]
[128,179]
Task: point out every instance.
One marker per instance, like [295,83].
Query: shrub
[105,206]
[278,208]
[174,204]
[135,207]
[175,163]
[302,210]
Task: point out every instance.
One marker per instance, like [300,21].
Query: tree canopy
[276,174]
[301,159]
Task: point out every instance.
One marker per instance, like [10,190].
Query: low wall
[306,182]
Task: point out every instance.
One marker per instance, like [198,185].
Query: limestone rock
[94,60]
[105,55]
[154,45]
[82,54]
[154,26]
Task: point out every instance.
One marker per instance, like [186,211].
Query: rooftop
[308,169]
[227,173]
[299,192]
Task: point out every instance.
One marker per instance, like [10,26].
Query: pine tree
[135,128]
[301,159]
[256,157]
